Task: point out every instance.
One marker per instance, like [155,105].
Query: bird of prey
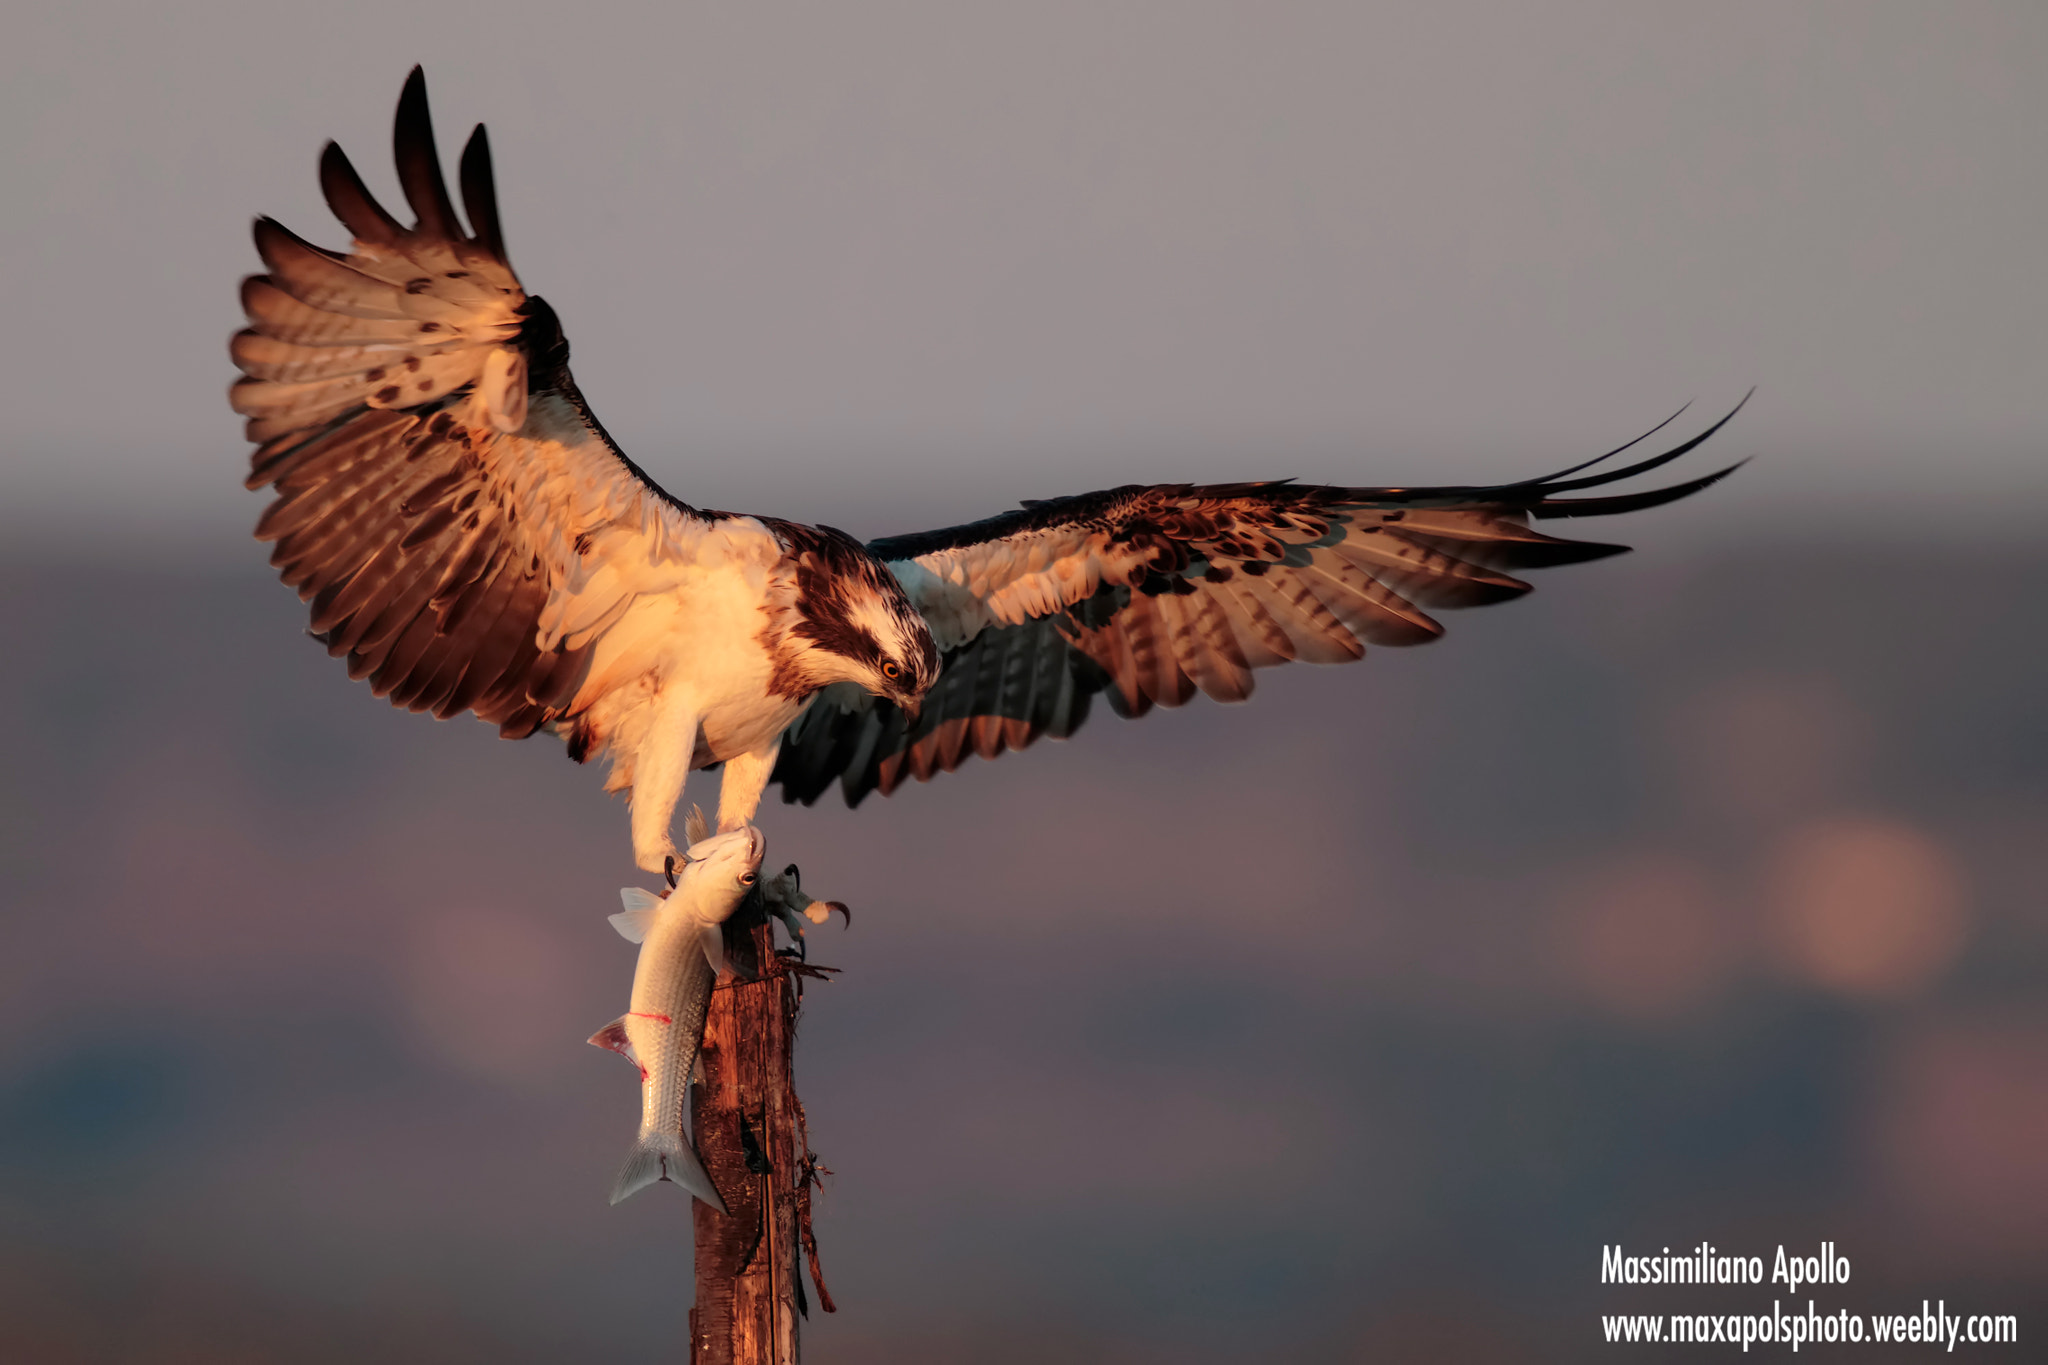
[469,538]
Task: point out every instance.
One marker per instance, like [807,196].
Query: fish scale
[682,949]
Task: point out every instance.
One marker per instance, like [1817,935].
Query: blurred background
[1697,897]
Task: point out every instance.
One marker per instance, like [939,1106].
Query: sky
[899,264]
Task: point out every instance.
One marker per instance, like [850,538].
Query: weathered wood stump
[750,1131]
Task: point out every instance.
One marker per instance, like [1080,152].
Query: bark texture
[750,1131]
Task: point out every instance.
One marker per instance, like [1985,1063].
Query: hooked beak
[913,707]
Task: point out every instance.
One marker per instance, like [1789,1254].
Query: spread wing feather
[461,527]
[1149,595]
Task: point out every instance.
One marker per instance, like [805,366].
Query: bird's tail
[665,1157]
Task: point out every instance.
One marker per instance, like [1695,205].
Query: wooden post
[750,1130]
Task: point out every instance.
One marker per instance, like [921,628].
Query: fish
[682,950]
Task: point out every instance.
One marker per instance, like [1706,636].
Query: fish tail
[687,1170]
[662,1158]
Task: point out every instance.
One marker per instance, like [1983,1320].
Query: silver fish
[681,952]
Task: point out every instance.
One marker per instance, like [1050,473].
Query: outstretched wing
[1151,594]
[461,525]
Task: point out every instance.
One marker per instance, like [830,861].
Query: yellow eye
[890,670]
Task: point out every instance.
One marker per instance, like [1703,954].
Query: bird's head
[853,623]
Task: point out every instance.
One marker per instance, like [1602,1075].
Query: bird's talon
[668,870]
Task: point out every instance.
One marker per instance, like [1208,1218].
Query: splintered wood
[750,1131]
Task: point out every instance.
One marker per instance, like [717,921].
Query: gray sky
[895,263]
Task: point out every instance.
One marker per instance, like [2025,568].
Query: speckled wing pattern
[460,524]
[1151,594]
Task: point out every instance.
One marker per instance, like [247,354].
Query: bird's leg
[739,792]
[783,896]
[659,770]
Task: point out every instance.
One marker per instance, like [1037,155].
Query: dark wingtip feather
[1550,486]
[1551,509]
[273,237]
[480,193]
[1586,551]
[352,201]
[1598,459]
[419,164]
[855,787]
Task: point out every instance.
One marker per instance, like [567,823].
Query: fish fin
[686,1170]
[648,1163]
[695,826]
[638,917]
[613,1036]
[644,1165]
[713,939]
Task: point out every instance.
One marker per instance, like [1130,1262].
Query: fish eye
[890,670]
[746,879]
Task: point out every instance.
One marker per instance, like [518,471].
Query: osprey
[470,539]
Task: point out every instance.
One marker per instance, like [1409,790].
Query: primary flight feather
[469,538]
